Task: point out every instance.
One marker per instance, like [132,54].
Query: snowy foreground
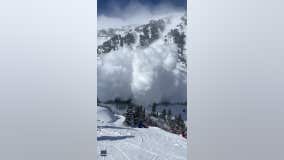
[124,143]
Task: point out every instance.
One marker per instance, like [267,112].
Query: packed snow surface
[125,143]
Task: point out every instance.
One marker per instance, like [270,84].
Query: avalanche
[152,71]
[142,66]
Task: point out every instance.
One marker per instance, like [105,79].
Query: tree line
[136,116]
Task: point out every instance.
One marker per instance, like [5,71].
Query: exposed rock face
[151,32]
[145,35]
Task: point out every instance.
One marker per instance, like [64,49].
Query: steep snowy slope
[104,115]
[124,143]
[145,63]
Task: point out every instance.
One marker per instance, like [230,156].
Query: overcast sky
[114,8]
[114,14]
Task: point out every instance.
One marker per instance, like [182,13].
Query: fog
[47,80]
[236,80]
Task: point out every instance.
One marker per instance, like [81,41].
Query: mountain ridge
[142,36]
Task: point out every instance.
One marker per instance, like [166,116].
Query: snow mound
[104,115]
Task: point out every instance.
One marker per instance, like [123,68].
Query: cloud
[134,13]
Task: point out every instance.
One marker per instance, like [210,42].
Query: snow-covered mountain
[145,63]
[168,30]
[142,86]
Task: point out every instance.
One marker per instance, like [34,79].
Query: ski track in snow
[125,143]
[123,153]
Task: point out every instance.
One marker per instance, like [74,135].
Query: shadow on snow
[113,138]
[114,127]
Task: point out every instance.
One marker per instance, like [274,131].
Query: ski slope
[125,143]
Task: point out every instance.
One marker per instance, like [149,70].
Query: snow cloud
[147,76]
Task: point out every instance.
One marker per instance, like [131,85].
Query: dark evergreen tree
[178,120]
[98,100]
[117,100]
[129,118]
[163,114]
[156,27]
[155,34]
[183,126]
[120,41]
[145,37]
[129,101]
[137,114]
[169,115]
[179,124]
[143,114]
[146,31]
[129,38]
[143,41]
[179,40]
[154,107]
